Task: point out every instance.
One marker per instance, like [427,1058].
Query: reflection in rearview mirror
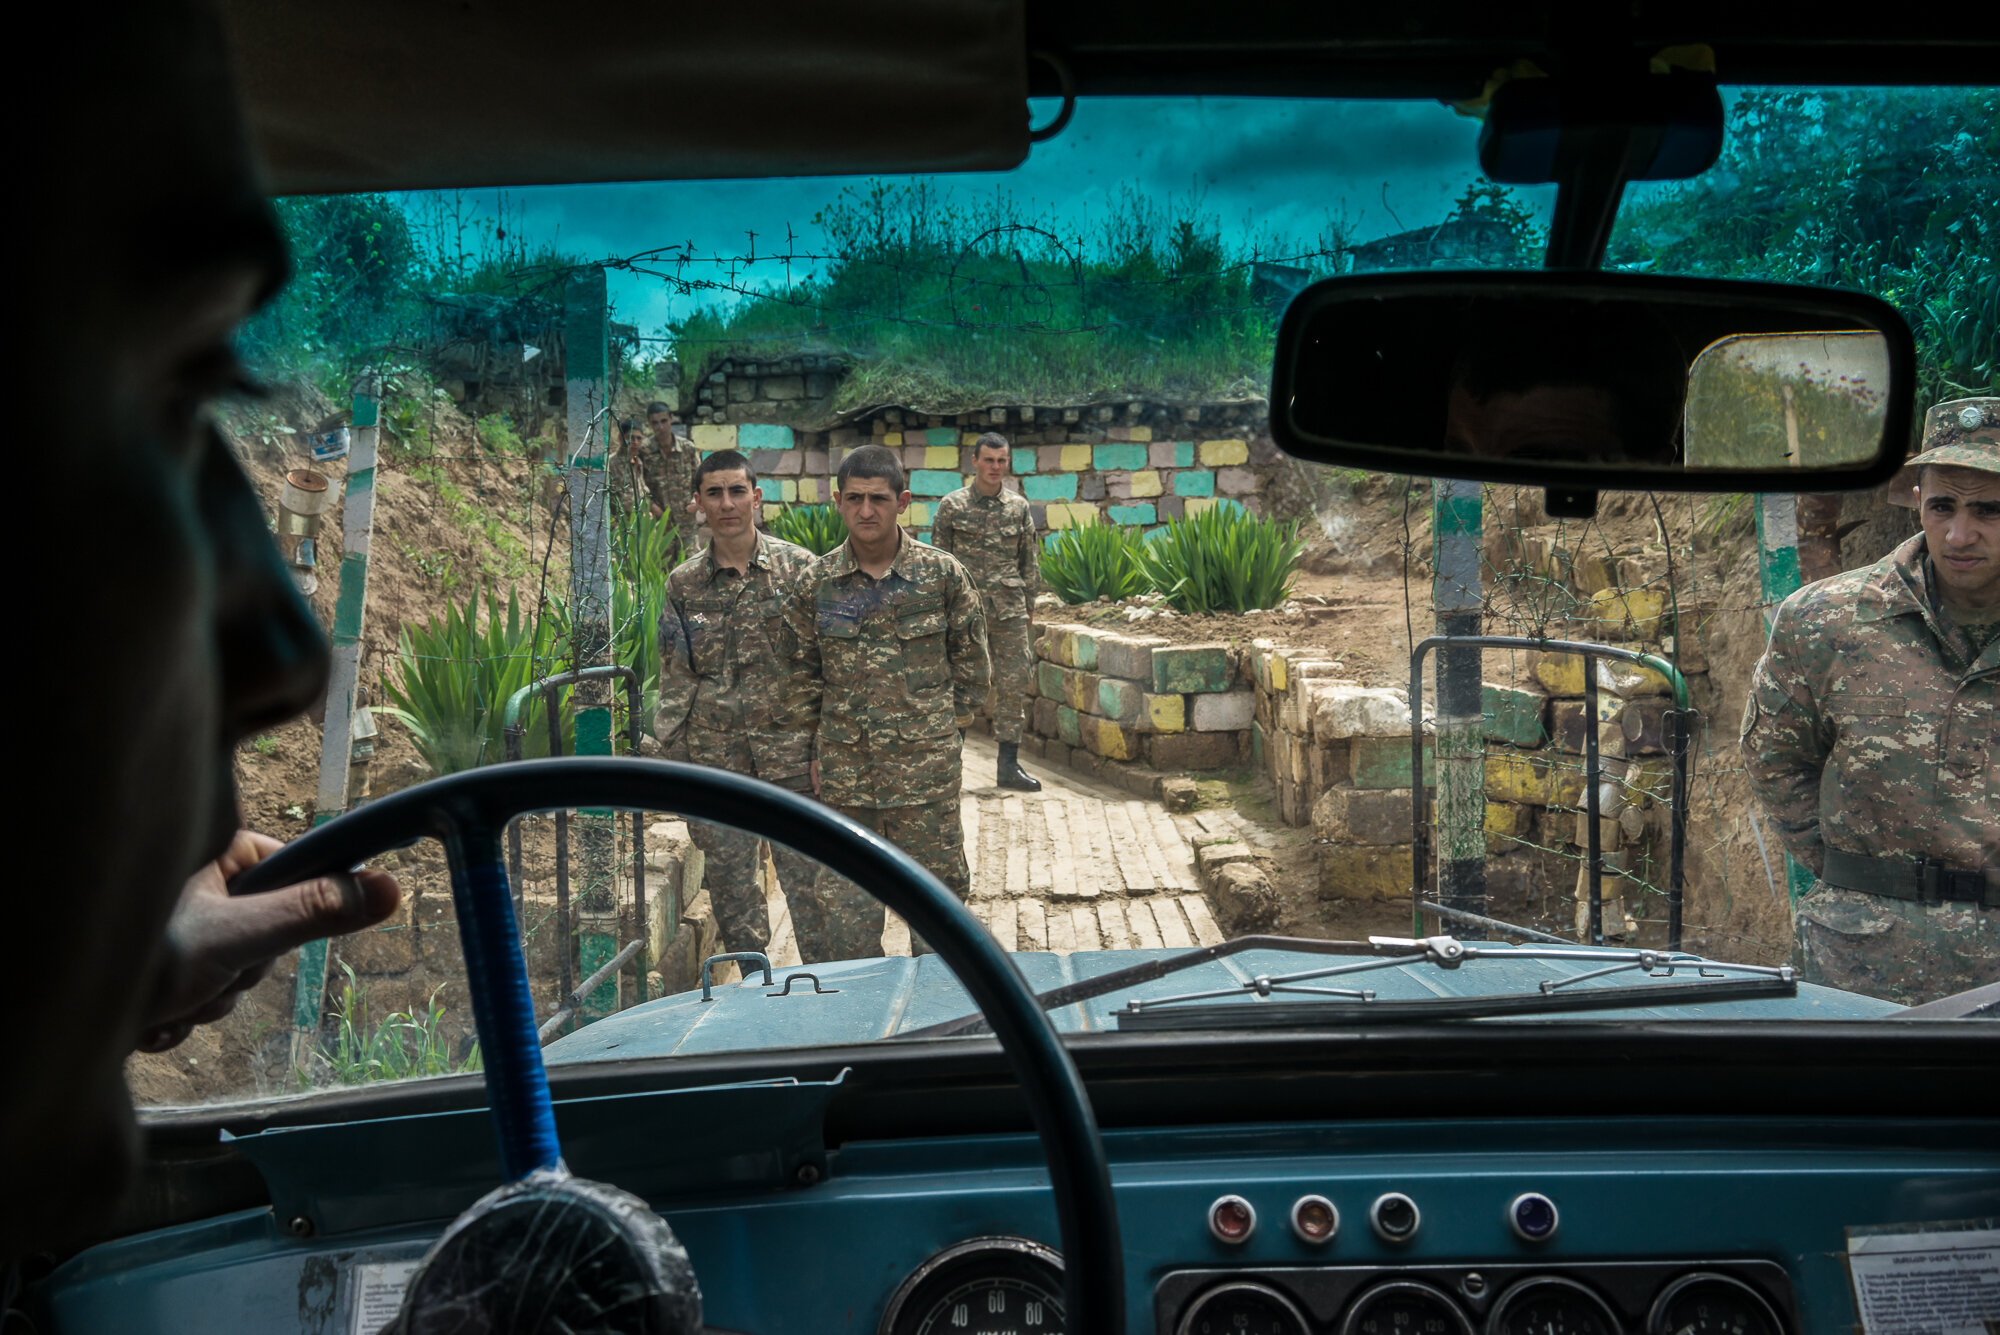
[1787,400]
[1591,381]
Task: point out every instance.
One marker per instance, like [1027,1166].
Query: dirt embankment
[451,512]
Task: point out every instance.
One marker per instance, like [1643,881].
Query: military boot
[1011,773]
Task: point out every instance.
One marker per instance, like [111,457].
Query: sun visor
[414,94]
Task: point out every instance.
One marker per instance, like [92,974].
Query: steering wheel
[469,811]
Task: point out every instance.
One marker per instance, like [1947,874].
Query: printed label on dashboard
[1926,1279]
[378,1293]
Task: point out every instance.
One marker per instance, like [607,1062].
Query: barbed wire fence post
[589,380]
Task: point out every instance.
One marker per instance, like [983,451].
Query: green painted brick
[1024,461]
[1511,716]
[1183,454]
[1067,727]
[1048,681]
[1049,487]
[1079,649]
[934,482]
[763,436]
[1119,699]
[1194,482]
[1193,668]
[1384,762]
[1122,456]
[1257,760]
[936,435]
[1132,514]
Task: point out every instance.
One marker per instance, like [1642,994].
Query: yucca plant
[1222,560]
[400,1046]
[1093,561]
[817,528]
[456,678]
[646,549]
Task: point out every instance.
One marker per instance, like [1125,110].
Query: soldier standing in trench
[992,532]
[1869,736]
[725,697]
[889,640]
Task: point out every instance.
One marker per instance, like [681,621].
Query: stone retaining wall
[1136,463]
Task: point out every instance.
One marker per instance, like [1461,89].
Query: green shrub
[1222,560]
[645,550]
[456,678]
[1094,561]
[496,432]
[817,528]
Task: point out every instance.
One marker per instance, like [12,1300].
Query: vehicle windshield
[1191,719]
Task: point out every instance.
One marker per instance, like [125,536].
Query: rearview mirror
[1586,381]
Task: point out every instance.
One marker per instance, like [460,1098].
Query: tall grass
[646,548]
[817,528]
[1222,560]
[399,1046]
[1092,561]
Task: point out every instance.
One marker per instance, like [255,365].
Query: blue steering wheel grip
[468,811]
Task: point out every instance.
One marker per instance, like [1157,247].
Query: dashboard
[1323,1185]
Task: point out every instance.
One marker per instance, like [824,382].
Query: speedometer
[1404,1307]
[983,1286]
[1551,1306]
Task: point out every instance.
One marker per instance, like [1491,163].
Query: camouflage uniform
[726,702]
[1870,731]
[890,671]
[994,538]
[663,478]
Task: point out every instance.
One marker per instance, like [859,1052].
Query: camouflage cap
[1964,433]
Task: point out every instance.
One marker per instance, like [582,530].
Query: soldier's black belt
[1924,882]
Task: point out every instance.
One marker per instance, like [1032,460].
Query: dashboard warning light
[1315,1219]
[1232,1219]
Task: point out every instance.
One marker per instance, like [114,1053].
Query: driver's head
[1578,382]
[174,630]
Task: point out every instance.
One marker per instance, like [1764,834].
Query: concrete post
[589,381]
[1779,576]
[1457,599]
[357,520]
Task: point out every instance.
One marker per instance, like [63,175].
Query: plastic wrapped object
[554,1254]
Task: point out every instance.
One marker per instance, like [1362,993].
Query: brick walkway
[1078,866]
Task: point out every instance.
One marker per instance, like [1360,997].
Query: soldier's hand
[812,772]
[657,511]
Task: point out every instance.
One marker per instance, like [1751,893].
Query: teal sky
[1262,168]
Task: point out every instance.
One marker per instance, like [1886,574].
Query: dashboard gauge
[979,1287]
[1550,1306]
[1243,1308]
[1705,1304]
[1404,1307]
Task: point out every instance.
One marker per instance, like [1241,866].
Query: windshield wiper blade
[1310,1014]
[1448,952]
[1090,988]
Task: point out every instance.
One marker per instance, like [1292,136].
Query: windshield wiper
[1712,982]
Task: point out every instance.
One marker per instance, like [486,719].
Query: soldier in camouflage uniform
[670,474]
[890,641]
[1870,736]
[992,532]
[725,700]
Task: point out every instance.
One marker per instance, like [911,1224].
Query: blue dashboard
[809,1201]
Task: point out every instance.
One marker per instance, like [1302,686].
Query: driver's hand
[218,946]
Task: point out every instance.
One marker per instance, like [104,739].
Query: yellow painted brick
[941,456]
[1111,740]
[788,489]
[1634,612]
[1139,433]
[1280,670]
[1222,453]
[1196,504]
[809,490]
[1532,780]
[1352,871]
[771,512]
[969,437]
[1167,713]
[1081,687]
[1075,458]
[1146,482]
[1560,674]
[707,436]
[918,515]
[1507,819]
[894,438]
[1071,516]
